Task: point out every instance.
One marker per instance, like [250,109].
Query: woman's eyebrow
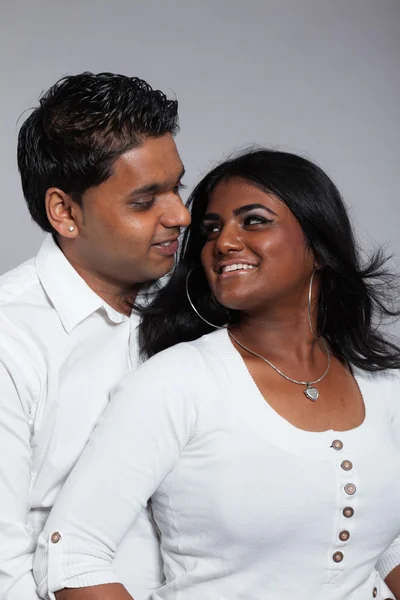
[211,217]
[247,207]
[239,211]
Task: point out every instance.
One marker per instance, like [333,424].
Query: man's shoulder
[23,304]
[18,283]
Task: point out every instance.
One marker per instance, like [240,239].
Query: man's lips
[167,247]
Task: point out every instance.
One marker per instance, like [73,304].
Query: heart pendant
[311,393]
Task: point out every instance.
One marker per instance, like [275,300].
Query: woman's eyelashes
[211,229]
[250,220]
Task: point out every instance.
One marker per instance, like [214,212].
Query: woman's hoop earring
[309,309]
[195,309]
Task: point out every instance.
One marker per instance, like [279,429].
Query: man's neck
[120,298]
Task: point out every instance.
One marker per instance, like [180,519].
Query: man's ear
[61,212]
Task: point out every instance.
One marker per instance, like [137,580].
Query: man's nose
[177,215]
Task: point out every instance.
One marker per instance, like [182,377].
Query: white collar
[70,295]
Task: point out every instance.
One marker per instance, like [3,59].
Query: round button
[348,512]
[337,445]
[375,592]
[344,535]
[55,537]
[350,489]
[338,557]
[347,465]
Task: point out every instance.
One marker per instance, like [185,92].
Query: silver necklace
[310,392]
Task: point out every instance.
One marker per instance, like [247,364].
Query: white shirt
[249,506]
[62,348]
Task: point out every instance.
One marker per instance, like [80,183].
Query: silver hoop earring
[317,337]
[195,309]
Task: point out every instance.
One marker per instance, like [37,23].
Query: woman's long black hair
[354,299]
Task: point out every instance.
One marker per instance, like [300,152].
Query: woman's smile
[233,268]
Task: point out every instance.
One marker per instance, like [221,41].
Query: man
[101,174]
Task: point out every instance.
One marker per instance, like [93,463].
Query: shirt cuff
[388,561]
[58,566]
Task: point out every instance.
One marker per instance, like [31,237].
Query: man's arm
[110,591]
[16,547]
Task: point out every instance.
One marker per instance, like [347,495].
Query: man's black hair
[82,125]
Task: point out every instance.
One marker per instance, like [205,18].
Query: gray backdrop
[318,77]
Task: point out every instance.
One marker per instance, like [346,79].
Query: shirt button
[375,592]
[55,537]
[338,557]
[348,512]
[350,489]
[344,535]
[347,465]
[337,445]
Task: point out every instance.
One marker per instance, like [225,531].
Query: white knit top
[249,507]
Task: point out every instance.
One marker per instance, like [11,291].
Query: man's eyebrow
[154,188]
[239,211]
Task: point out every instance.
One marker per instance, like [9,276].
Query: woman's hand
[108,591]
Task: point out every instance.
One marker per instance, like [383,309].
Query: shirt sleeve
[16,543]
[391,557]
[138,441]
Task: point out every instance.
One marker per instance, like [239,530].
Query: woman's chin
[234,302]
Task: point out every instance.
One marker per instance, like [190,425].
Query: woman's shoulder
[188,354]
[383,386]
[387,377]
[184,362]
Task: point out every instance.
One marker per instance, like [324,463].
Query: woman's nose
[229,240]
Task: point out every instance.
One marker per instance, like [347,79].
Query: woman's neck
[287,339]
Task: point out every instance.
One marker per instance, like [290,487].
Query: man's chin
[165,270]
[161,276]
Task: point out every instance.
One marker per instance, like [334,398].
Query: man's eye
[179,187]
[143,204]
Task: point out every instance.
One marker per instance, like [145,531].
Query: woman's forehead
[229,195]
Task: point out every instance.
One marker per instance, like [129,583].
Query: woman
[270,448]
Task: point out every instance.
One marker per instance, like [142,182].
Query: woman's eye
[255,220]
[209,230]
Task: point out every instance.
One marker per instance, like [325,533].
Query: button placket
[347,491]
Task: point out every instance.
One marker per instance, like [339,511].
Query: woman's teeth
[236,267]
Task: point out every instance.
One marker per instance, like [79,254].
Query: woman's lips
[232,269]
